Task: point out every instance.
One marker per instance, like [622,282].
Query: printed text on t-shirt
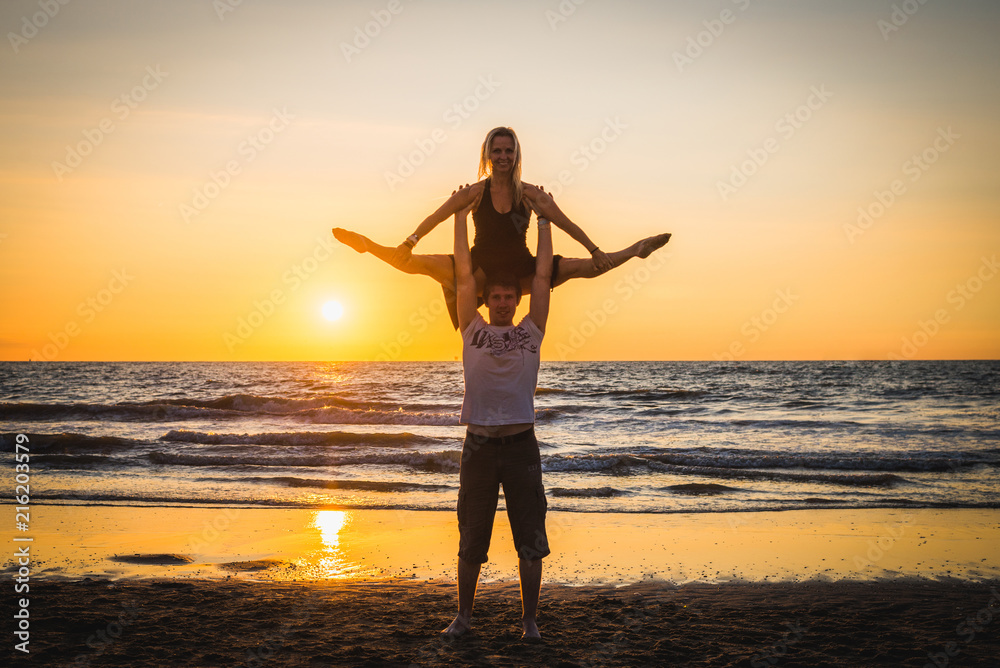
[500,344]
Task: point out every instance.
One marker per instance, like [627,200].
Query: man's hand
[601,261]
[536,198]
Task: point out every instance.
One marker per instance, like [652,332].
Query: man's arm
[542,283]
[460,199]
[545,206]
[465,281]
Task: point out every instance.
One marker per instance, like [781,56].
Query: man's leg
[478,495]
[573,267]
[530,571]
[468,580]
[524,495]
[438,267]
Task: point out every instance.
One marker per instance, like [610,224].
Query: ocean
[636,437]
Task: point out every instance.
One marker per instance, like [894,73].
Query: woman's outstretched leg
[438,267]
[574,267]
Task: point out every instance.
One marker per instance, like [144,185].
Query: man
[500,361]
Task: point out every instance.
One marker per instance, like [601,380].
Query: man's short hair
[501,279]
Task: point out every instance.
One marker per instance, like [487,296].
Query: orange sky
[171,174]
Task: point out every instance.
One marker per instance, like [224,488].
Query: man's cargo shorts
[514,462]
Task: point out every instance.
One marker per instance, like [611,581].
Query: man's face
[501,303]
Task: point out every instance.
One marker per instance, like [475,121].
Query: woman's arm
[465,281]
[546,207]
[459,200]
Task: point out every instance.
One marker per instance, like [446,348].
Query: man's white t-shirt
[501,372]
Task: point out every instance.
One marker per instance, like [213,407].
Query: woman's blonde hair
[486,168]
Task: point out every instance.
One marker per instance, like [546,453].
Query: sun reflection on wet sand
[329,523]
[588,548]
[330,561]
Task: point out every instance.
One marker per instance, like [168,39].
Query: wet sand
[587,548]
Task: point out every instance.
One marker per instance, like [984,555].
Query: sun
[332,310]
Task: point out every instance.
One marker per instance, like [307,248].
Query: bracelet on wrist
[595,250]
[543,222]
[411,241]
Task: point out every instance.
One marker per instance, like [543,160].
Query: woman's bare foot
[358,242]
[650,244]
[459,627]
[531,633]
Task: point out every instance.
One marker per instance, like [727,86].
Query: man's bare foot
[356,241]
[459,627]
[650,244]
[531,633]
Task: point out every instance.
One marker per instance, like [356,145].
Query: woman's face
[502,155]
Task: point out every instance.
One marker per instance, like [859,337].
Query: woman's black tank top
[496,230]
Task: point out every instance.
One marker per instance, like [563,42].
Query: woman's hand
[404,251]
[601,260]
[401,255]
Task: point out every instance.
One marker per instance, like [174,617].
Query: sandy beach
[291,587]
[212,623]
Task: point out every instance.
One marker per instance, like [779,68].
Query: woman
[502,206]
